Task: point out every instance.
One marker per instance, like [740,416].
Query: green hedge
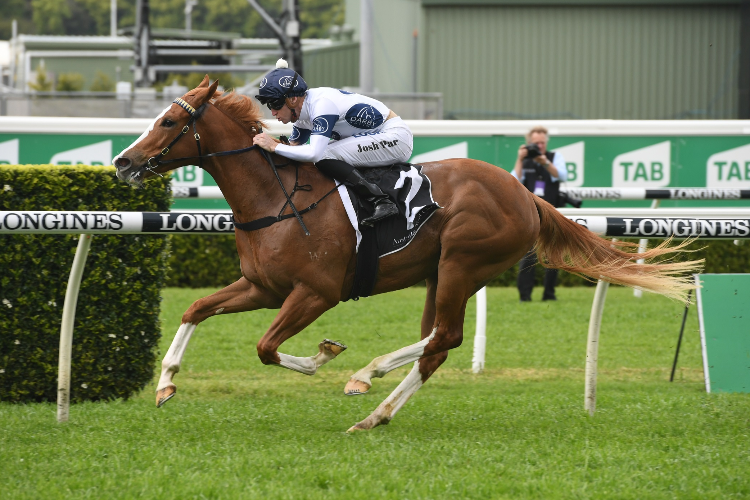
[199,261]
[117,319]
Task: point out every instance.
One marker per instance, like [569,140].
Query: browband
[184,105]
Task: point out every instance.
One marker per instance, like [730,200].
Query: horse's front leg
[240,296]
[300,309]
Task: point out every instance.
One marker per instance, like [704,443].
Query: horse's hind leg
[361,382]
[238,297]
[422,370]
[452,291]
[459,277]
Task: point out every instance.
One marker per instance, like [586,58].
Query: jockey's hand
[522,152]
[265,141]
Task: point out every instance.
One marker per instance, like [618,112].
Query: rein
[257,223]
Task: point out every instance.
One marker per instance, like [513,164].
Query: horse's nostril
[122,162]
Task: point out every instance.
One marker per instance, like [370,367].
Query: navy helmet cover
[275,85]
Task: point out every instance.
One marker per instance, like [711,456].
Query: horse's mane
[240,107]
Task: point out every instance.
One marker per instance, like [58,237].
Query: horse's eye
[167,123]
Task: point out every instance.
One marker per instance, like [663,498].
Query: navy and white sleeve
[299,135]
[326,115]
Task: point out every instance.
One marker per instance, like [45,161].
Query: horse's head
[146,157]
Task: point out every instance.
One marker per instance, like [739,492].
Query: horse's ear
[211,89]
[205,81]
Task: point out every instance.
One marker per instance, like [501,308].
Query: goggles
[273,104]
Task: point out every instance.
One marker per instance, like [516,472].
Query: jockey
[345,130]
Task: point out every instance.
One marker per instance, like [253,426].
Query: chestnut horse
[487,223]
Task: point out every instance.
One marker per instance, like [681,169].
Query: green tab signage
[99,153]
[574,155]
[729,169]
[647,167]
[9,152]
[596,160]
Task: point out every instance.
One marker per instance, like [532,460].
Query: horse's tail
[564,244]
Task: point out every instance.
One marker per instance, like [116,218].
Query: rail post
[66,328]
[480,336]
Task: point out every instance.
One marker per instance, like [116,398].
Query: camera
[564,198]
[532,151]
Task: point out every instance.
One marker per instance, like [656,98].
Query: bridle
[194,115]
[245,226]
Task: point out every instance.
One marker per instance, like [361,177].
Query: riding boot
[343,172]
[383,207]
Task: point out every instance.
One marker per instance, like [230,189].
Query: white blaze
[144,134]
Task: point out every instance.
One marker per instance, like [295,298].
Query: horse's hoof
[357,427]
[164,395]
[356,387]
[333,346]
[370,422]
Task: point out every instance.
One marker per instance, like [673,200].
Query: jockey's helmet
[279,84]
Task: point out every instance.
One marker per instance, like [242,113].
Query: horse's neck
[246,179]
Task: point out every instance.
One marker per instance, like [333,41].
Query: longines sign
[654,194]
[660,228]
[27,222]
[39,222]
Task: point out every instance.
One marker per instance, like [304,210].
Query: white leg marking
[393,403]
[310,365]
[402,393]
[302,365]
[378,367]
[171,363]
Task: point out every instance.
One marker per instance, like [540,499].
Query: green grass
[238,429]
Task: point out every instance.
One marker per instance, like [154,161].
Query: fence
[410,106]
[680,223]
[706,223]
[86,224]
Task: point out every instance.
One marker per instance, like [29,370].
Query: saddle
[411,190]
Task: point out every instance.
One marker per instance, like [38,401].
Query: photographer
[541,172]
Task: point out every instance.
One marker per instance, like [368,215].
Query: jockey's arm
[324,114]
[312,152]
[299,136]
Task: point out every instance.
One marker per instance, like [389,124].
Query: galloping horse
[487,222]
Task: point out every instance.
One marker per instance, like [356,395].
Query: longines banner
[653,194]
[26,222]
[665,162]
[661,228]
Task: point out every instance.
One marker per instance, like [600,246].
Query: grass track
[238,429]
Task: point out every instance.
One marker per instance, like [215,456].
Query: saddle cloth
[411,190]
